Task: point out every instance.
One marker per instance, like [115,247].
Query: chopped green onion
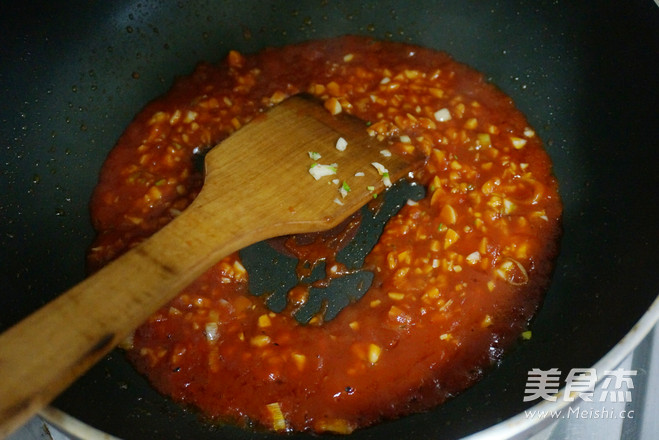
[378,166]
[386,180]
[345,189]
[317,170]
[383,172]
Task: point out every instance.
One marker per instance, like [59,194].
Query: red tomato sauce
[458,274]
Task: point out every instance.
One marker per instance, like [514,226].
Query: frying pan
[73,74]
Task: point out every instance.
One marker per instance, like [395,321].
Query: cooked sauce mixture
[458,274]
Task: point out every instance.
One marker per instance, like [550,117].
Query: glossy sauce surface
[458,274]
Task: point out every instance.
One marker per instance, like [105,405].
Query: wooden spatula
[259,184]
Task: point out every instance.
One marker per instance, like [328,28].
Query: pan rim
[72,425]
[520,426]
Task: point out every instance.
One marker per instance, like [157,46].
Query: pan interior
[272,272]
[73,75]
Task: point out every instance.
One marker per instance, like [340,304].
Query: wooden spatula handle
[46,352]
[257,186]
[42,355]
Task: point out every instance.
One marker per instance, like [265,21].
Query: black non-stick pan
[73,74]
